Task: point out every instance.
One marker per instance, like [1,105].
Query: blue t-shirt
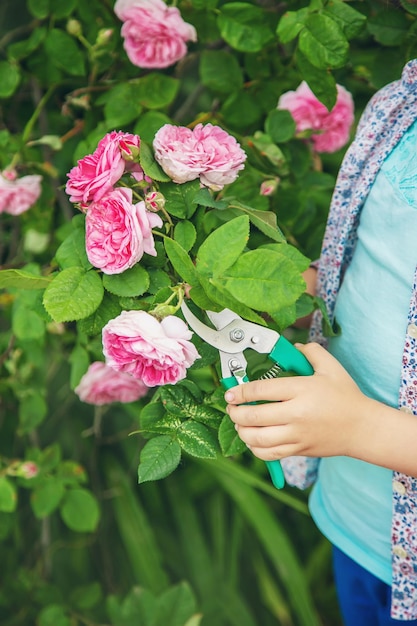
[351,501]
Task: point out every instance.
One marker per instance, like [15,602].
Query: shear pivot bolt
[237,335]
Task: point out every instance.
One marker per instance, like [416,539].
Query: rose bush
[144,160]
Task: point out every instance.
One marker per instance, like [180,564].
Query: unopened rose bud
[129,151]
[9,174]
[74,28]
[268,187]
[163,310]
[28,470]
[104,35]
[154,201]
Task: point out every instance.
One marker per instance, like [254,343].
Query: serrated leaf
[323,43]
[154,419]
[220,71]
[244,27]
[204,198]
[185,234]
[19,279]
[217,292]
[109,309]
[133,282]
[223,246]
[175,606]
[290,25]
[9,78]
[261,279]
[349,19]
[64,53]
[180,200]
[80,510]
[320,81]
[230,442]
[72,252]
[181,262]
[197,440]
[73,294]
[265,221]
[280,125]
[159,458]
[149,165]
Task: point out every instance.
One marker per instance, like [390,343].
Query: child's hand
[321,415]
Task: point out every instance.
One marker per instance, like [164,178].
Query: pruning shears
[232,335]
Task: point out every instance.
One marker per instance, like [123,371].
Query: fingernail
[229,396]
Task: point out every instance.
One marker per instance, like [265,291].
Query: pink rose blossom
[97,173]
[101,384]
[206,152]
[118,233]
[154,35]
[17,195]
[330,128]
[158,353]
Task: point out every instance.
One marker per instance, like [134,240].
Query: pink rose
[17,195]
[154,35]
[117,232]
[206,152]
[101,384]
[158,353]
[330,128]
[97,173]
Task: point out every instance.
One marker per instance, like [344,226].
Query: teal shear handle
[289,359]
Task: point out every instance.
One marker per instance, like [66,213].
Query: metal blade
[211,336]
[221,319]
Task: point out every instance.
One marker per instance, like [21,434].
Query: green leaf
[73,294]
[53,615]
[87,596]
[223,247]
[8,495]
[204,197]
[230,442]
[149,165]
[156,90]
[108,310]
[220,71]
[264,280]
[9,78]
[159,458]
[265,221]
[46,497]
[280,125]
[291,24]
[27,324]
[22,49]
[323,43]
[149,123]
[181,262]
[217,292]
[320,81]
[121,105]
[389,27]
[154,419]
[179,401]
[64,52]
[349,19]
[19,279]
[244,26]
[132,282]
[181,199]
[32,411]
[72,253]
[185,234]
[80,510]
[79,360]
[175,606]
[39,8]
[197,440]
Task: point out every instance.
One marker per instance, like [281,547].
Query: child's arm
[322,415]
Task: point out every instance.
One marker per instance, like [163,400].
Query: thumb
[319,357]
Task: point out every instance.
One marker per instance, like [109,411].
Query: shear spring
[273,372]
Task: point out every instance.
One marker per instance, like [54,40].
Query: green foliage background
[214,543]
